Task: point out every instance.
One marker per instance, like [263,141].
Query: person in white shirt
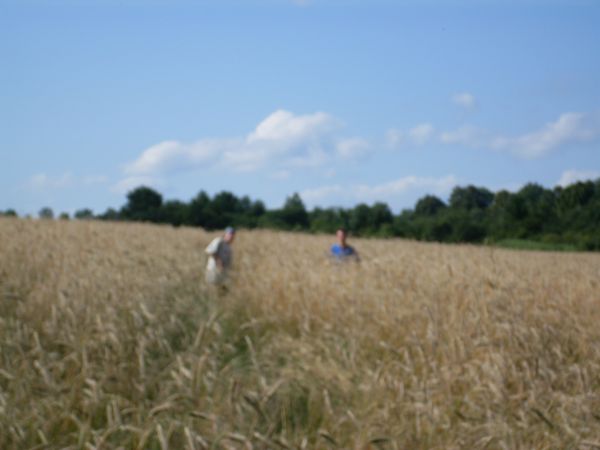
[220,257]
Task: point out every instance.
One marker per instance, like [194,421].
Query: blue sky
[343,102]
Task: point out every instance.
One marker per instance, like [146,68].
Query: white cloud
[573,176]
[243,158]
[394,137]
[42,181]
[392,192]
[317,195]
[421,133]
[280,175]
[465,100]
[402,185]
[467,135]
[313,158]
[282,137]
[172,155]
[569,128]
[292,140]
[285,127]
[353,148]
[156,157]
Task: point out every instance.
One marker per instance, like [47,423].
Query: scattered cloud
[573,176]
[241,158]
[419,135]
[394,138]
[313,158]
[467,135]
[422,133]
[284,142]
[42,181]
[287,128]
[569,128]
[353,148]
[391,192]
[316,195]
[402,185]
[465,100]
[283,137]
[172,155]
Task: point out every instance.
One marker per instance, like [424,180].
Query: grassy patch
[524,244]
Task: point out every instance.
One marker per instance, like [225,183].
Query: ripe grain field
[110,339]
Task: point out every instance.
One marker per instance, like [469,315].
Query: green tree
[404,224]
[326,220]
[143,203]
[9,213]
[228,210]
[429,205]
[249,212]
[467,226]
[294,214]
[200,212]
[110,214]
[381,215]
[175,212]
[471,197]
[258,208]
[574,196]
[360,219]
[84,214]
[46,213]
[537,209]
[502,224]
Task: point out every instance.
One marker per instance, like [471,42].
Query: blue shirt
[341,253]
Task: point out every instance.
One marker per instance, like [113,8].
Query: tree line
[563,215]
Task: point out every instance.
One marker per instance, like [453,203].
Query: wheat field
[111,339]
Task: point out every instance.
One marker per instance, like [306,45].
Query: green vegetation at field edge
[524,244]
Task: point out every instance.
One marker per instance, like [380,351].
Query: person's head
[229,235]
[341,235]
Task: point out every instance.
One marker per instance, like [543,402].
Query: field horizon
[110,338]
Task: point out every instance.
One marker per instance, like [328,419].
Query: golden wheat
[110,339]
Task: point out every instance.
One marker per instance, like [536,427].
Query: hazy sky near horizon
[343,102]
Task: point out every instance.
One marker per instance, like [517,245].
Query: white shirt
[218,249]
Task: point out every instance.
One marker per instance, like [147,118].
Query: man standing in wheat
[220,257]
[341,251]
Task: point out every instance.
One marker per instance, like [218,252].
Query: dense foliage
[559,216]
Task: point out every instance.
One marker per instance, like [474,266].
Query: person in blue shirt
[341,251]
